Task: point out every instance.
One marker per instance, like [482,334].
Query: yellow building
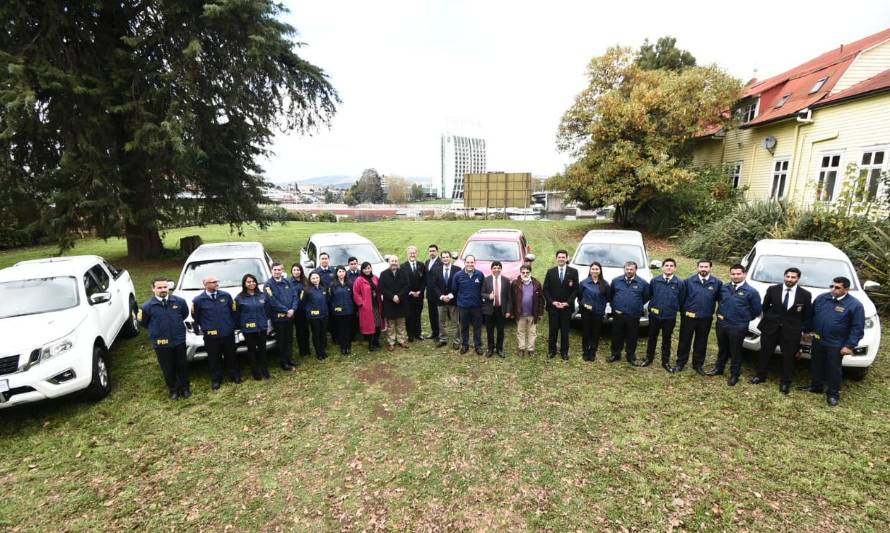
[798,132]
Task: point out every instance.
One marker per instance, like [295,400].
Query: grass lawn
[427,439]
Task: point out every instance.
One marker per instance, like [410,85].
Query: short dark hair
[795,270]
[496,263]
[669,260]
[628,263]
[446,252]
[155,280]
[705,260]
[561,252]
[324,253]
[433,246]
[351,259]
[526,266]
[276,264]
[738,266]
[843,281]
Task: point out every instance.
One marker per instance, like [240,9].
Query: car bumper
[195,351]
[863,356]
[34,384]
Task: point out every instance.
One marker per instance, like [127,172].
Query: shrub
[732,236]
[874,258]
[325,216]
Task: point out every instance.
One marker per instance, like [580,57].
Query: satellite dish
[769,143]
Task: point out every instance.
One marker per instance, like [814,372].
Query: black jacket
[437,286]
[391,285]
[506,294]
[775,315]
[567,291]
[416,280]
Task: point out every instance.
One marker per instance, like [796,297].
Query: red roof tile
[878,83]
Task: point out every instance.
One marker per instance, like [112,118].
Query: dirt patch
[376,373]
[381,413]
[384,374]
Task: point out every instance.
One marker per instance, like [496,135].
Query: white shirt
[791,294]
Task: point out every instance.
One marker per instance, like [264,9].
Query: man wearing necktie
[442,290]
[213,316]
[696,315]
[786,306]
[164,316]
[560,292]
[739,305]
[432,305]
[495,308]
[416,287]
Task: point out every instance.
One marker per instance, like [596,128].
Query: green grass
[426,438]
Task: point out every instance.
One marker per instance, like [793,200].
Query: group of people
[343,300]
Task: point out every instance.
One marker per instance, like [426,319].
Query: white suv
[819,263]
[340,247]
[228,261]
[58,320]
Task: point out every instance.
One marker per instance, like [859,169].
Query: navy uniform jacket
[327,276]
[166,328]
[700,299]
[838,322]
[467,289]
[282,297]
[297,286]
[666,297]
[315,302]
[214,318]
[628,298]
[252,312]
[352,276]
[591,298]
[341,302]
[738,306]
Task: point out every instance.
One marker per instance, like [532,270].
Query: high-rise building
[460,156]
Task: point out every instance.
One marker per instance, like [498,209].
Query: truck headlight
[57,347]
[871,321]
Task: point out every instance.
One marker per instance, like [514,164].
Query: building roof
[876,84]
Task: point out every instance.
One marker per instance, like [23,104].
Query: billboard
[498,190]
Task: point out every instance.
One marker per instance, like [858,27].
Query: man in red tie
[496,307]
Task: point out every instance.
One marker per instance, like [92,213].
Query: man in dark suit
[560,291]
[785,309]
[432,304]
[394,289]
[416,287]
[496,295]
[440,289]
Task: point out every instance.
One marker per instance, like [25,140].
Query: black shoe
[285,366]
[455,346]
[479,351]
[238,380]
[489,353]
[501,354]
[756,380]
[668,368]
[784,387]
[257,377]
[440,344]
[711,372]
[677,369]
[614,358]
[464,349]
[565,357]
[732,381]
[632,361]
[215,385]
[833,401]
[265,374]
[551,355]
[186,393]
[647,361]
[292,363]
[810,388]
[174,396]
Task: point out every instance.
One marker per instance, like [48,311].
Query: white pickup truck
[58,320]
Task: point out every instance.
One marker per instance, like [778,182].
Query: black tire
[856,373]
[100,385]
[131,327]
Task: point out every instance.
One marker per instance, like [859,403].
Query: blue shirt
[282,298]
[838,322]
[666,297]
[738,306]
[315,302]
[701,300]
[252,312]
[166,328]
[591,297]
[467,288]
[214,317]
[629,295]
[341,302]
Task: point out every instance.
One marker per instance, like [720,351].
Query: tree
[331,196]
[664,55]
[120,117]
[367,189]
[398,191]
[631,130]
[416,192]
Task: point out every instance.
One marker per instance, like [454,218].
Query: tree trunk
[143,242]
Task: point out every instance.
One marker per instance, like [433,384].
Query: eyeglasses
[836,287]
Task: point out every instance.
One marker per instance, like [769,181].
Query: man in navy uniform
[284,302]
[164,315]
[838,325]
[696,313]
[560,291]
[786,307]
[629,294]
[352,272]
[325,272]
[668,292]
[739,305]
[467,286]
[214,317]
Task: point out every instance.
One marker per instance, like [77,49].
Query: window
[870,175]
[747,111]
[780,177]
[782,100]
[735,174]
[818,85]
[828,170]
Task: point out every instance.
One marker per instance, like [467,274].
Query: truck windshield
[33,296]
[816,272]
[609,255]
[341,253]
[228,271]
[492,250]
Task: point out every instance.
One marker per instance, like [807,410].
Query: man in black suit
[785,308]
[440,289]
[496,296]
[416,287]
[394,289]
[432,304]
[560,291]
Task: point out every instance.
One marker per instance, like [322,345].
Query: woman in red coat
[369,301]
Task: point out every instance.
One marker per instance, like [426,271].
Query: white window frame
[751,109]
[776,178]
[881,167]
[817,86]
[735,173]
[838,176]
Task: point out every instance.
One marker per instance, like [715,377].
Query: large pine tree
[124,116]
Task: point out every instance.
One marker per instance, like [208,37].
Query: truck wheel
[856,373]
[131,326]
[100,386]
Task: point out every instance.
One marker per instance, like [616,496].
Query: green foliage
[664,54]
[874,263]
[325,216]
[729,238]
[368,189]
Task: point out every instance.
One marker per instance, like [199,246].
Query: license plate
[4,385]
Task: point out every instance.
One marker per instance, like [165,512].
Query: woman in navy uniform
[164,314]
[315,305]
[592,297]
[252,309]
[301,326]
[342,309]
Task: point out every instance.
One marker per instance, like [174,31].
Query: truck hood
[610,273]
[22,334]
[867,304]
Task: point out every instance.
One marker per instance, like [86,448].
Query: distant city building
[460,156]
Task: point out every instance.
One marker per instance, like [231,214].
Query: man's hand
[290,313]
[395,298]
[508,315]
[491,296]
[846,350]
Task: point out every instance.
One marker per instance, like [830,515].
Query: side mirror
[655,264]
[871,285]
[530,257]
[309,264]
[171,285]
[100,298]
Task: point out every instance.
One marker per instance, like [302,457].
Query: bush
[874,257]
[325,216]
[729,238]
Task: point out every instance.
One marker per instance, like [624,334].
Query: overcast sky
[409,70]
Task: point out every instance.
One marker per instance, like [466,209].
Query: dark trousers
[412,321]
[432,307]
[344,331]
[689,328]
[729,347]
[301,331]
[284,339]
[559,323]
[222,350]
[666,328]
[591,325]
[494,329]
[470,316]
[256,353]
[319,327]
[826,365]
[175,367]
[625,333]
[789,349]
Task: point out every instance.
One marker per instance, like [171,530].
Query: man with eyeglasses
[837,326]
[214,318]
